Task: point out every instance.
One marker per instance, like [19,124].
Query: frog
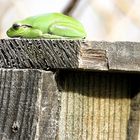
[48,26]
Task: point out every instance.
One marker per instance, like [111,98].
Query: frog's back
[45,20]
[55,17]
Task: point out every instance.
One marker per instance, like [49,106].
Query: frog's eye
[15,26]
[27,26]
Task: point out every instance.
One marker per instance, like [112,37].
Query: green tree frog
[51,26]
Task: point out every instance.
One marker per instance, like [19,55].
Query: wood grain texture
[98,106]
[94,106]
[29,105]
[39,54]
[70,54]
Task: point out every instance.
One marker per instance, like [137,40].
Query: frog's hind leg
[66,30]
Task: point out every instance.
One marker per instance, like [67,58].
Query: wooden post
[91,90]
[29,105]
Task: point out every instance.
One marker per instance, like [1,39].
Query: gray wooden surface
[74,101]
[70,54]
[29,105]
[38,54]
[88,105]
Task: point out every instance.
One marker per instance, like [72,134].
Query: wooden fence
[69,90]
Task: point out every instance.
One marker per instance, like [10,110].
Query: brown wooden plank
[94,105]
[93,56]
[70,54]
[29,105]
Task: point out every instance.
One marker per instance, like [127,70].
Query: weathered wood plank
[93,57]
[29,105]
[110,56]
[124,56]
[94,105]
[70,54]
[39,54]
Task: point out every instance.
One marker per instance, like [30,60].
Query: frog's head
[23,30]
[18,30]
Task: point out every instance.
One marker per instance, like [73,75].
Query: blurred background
[110,20]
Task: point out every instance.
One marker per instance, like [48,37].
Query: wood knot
[15,127]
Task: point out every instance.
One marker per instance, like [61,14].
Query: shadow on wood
[98,105]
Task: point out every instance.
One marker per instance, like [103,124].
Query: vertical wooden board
[122,107]
[49,107]
[134,119]
[70,104]
[29,105]
[79,94]
[111,108]
[63,118]
[76,110]
[84,108]
[99,100]
[102,126]
[96,105]
[125,110]
[106,107]
[16,106]
[90,109]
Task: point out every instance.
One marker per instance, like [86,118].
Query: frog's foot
[51,36]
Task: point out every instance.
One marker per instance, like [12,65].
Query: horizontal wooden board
[70,54]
